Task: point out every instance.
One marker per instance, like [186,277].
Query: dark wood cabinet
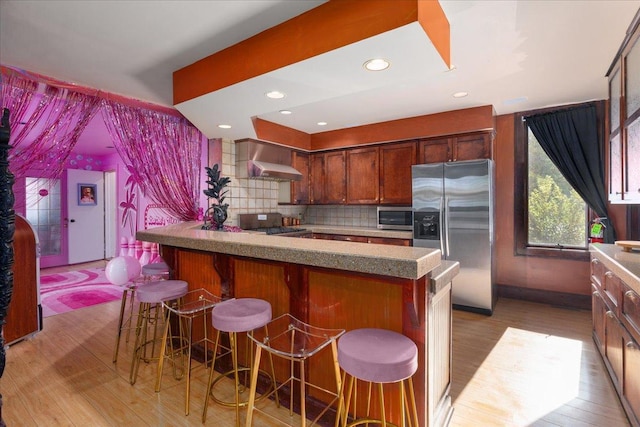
[363,176]
[316,179]
[455,148]
[631,369]
[624,119]
[616,321]
[599,310]
[23,317]
[363,239]
[328,178]
[335,177]
[395,172]
[300,189]
[390,241]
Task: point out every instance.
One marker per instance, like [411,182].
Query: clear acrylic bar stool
[291,339]
[194,305]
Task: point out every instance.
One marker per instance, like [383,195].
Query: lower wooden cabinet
[631,370]
[616,332]
[363,239]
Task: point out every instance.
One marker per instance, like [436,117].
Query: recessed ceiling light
[377,64]
[224,126]
[274,94]
[322,123]
[460,94]
[285,112]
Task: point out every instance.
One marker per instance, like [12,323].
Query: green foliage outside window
[557,214]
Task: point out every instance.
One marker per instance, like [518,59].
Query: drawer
[597,271]
[631,309]
[613,286]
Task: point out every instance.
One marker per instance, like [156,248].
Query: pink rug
[63,292]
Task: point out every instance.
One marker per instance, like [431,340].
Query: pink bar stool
[151,296]
[235,316]
[155,271]
[377,356]
[123,271]
[297,342]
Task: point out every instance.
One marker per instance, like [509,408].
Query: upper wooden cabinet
[328,178]
[395,172]
[624,119]
[300,189]
[380,174]
[363,175]
[455,148]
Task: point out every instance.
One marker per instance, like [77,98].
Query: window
[550,218]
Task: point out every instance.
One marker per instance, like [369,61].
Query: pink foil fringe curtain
[161,147]
[163,151]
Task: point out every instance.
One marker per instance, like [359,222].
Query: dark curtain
[571,139]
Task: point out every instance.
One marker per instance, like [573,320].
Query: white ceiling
[514,55]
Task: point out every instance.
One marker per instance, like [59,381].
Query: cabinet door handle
[632,296]
[594,261]
[610,314]
[632,345]
[608,274]
[596,294]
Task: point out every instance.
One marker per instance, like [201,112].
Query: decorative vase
[220,216]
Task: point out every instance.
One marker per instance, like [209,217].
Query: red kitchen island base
[419,308]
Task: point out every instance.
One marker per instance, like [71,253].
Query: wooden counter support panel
[331,284]
[321,297]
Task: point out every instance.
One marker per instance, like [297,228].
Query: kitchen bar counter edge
[402,262]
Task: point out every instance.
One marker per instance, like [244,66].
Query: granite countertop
[625,265]
[396,261]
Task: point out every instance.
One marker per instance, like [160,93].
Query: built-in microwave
[395,218]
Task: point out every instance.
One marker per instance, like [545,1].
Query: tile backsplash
[257,196]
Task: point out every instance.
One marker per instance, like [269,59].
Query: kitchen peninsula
[331,284]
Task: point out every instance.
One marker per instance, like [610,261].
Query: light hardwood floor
[528,364]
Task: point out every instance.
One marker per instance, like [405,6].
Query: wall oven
[395,218]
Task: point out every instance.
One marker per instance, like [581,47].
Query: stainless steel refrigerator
[453,212]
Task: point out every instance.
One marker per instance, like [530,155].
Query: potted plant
[217,212]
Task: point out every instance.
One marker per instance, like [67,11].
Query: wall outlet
[262,217]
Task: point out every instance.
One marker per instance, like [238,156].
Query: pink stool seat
[377,355]
[155,269]
[240,315]
[162,290]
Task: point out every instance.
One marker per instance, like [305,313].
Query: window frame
[521,191]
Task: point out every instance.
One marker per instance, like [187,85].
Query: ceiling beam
[327,27]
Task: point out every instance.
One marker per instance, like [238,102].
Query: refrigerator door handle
[444,225]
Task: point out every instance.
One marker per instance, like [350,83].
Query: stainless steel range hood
[262,160]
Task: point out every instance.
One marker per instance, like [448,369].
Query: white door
[85,215]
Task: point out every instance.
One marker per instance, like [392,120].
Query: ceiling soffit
[332,25]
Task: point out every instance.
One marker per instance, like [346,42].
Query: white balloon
[122,269]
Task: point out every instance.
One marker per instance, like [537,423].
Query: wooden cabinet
[23,317]
[395,172]
[631,369]
[328,178]
[389,241]
[363,176]
[616,332]
[363,239]
[624,119]
[300,189]
[599,310]
[455,148]
[346,238]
